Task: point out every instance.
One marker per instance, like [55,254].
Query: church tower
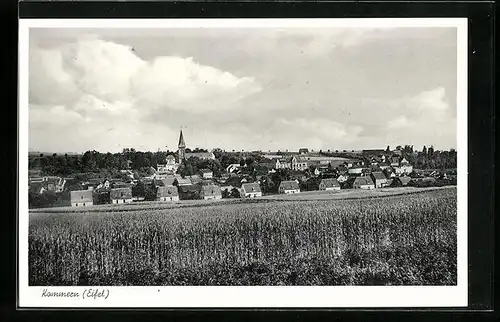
[181,153]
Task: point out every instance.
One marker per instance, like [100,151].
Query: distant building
[303,151]
[183,181]
[329,184]
[404,167]
[289,187]
[211,192]
[120,195]
[298,164]
[379,179]
[360,183]
[167,193]
[251,190]
[81,198]
[207,173]
[355,170]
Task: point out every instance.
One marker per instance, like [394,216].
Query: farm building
[379,179]
[211,192]
[81,198]
[400,181]
[120,195]
[289,187]
[206,173]
[329,184]
[364,182]
[303,151]
[251,190]
[167,193]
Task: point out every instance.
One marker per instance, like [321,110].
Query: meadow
[395,240]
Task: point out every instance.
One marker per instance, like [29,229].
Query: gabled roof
[289,185]
[167,191]
[183,181]
[168,181]
[211,190]
[362,181]
[404,180]
[120,193]
[251,187]
[81,196]
[206,171]
[330,183]
[378,176]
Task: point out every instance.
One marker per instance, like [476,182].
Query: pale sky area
[252,89]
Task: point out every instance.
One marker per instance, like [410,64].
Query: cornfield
[399,240]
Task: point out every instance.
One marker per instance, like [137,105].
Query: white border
[253,296]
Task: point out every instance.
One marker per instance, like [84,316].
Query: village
[255,175]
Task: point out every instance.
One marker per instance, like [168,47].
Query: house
[355,169]
[282,164]
[167,193]
[251,190]
[364,182]
[404,167]
[303,151]
[400,181]
[182,182]
[209,192]
[120,195]
[167,168]
[169,181]
[394,161]
[329,184]
[81,198]
[298,164]
[289,187]
[379,179]
[207,173]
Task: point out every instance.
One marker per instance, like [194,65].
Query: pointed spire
[182,144]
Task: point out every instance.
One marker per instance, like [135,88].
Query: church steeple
[182,144]
[181,153]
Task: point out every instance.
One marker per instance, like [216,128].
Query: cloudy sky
[322,88]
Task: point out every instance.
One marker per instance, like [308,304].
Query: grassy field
[406,239]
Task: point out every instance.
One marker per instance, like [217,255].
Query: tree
[388,149]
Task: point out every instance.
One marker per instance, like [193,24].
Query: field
[407,239]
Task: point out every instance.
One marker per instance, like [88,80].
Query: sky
[252,89]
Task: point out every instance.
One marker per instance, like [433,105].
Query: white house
[211,192]
[167,193]
[251,190]
[207,174]
[289,187]
[120,195]
[81,198]
[330,184]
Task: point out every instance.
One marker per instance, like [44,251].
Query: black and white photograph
[305,157]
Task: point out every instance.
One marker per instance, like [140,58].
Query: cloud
[112,72]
